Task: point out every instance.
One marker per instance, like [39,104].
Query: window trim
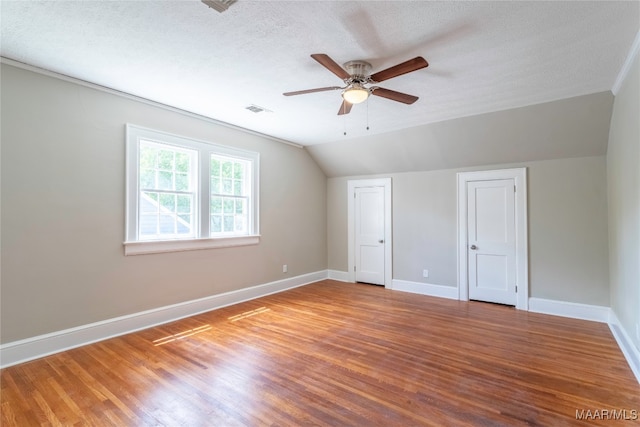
[133,246]
[160,246]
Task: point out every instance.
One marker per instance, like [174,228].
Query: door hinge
[514,188]
[516,289]
[354,268]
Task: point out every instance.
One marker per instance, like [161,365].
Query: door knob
[474,247]
[380,241]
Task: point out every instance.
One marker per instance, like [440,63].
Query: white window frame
[134,246]
[194,190]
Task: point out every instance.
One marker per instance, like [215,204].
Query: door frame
[352,184]
[519,175]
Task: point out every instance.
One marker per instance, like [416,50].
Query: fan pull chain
[367,114]
[344,120]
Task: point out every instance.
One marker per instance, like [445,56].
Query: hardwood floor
[335,354]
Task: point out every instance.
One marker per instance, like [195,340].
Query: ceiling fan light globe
[355,95]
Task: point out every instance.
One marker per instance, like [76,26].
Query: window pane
[228,205]
[168,202]
[227,168]
[148,202]
[227,186]
[182,162]
[148,225]
[228,223]
[216,223]
[215,167]
[148,157]
[215,185]
[165,160]
[184,204]
[148,178]
[167,224]
[240,204]
[241,223]
[238,170]
[237,188]
[184,224]
[216,205]
[182,182]
[165,180]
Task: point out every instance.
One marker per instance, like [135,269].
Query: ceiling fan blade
[393,95]
[320,89]
[345,108]
[331,65]
[397,70]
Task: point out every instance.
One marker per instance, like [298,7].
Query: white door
[369,235]
[491,241]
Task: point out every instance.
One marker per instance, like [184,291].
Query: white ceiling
[484,56]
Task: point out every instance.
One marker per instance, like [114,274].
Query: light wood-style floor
[334,354]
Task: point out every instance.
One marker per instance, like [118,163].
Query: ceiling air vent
[219,5]
[257,109]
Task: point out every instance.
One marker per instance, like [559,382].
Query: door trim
[519,175]
[351,257]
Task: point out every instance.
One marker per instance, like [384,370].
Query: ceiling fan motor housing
[359,71]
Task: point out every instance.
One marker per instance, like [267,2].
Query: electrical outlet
[285,268]
[425,273]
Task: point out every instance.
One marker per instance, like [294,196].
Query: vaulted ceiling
[484,56]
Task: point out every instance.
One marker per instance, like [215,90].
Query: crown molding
[626,67]
[49,73]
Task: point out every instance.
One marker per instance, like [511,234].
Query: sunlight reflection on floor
[180,335]
[249,313]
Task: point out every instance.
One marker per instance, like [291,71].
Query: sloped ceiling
[484,56]
[573,127]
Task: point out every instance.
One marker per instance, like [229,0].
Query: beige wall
[63,195]
[567,227]
[623,177]
[337,224]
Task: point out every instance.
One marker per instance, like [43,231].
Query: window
[166,191]
[185,194]
[229,195]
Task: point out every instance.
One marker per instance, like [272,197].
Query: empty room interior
[247,213]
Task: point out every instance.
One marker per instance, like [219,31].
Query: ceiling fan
[356,75]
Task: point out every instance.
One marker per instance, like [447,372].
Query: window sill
[160,246]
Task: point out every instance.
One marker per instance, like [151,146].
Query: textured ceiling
[484,56]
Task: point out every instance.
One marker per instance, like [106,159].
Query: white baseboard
[440,291]
[341,276]
[43,345]
[596,313]
[630,351]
